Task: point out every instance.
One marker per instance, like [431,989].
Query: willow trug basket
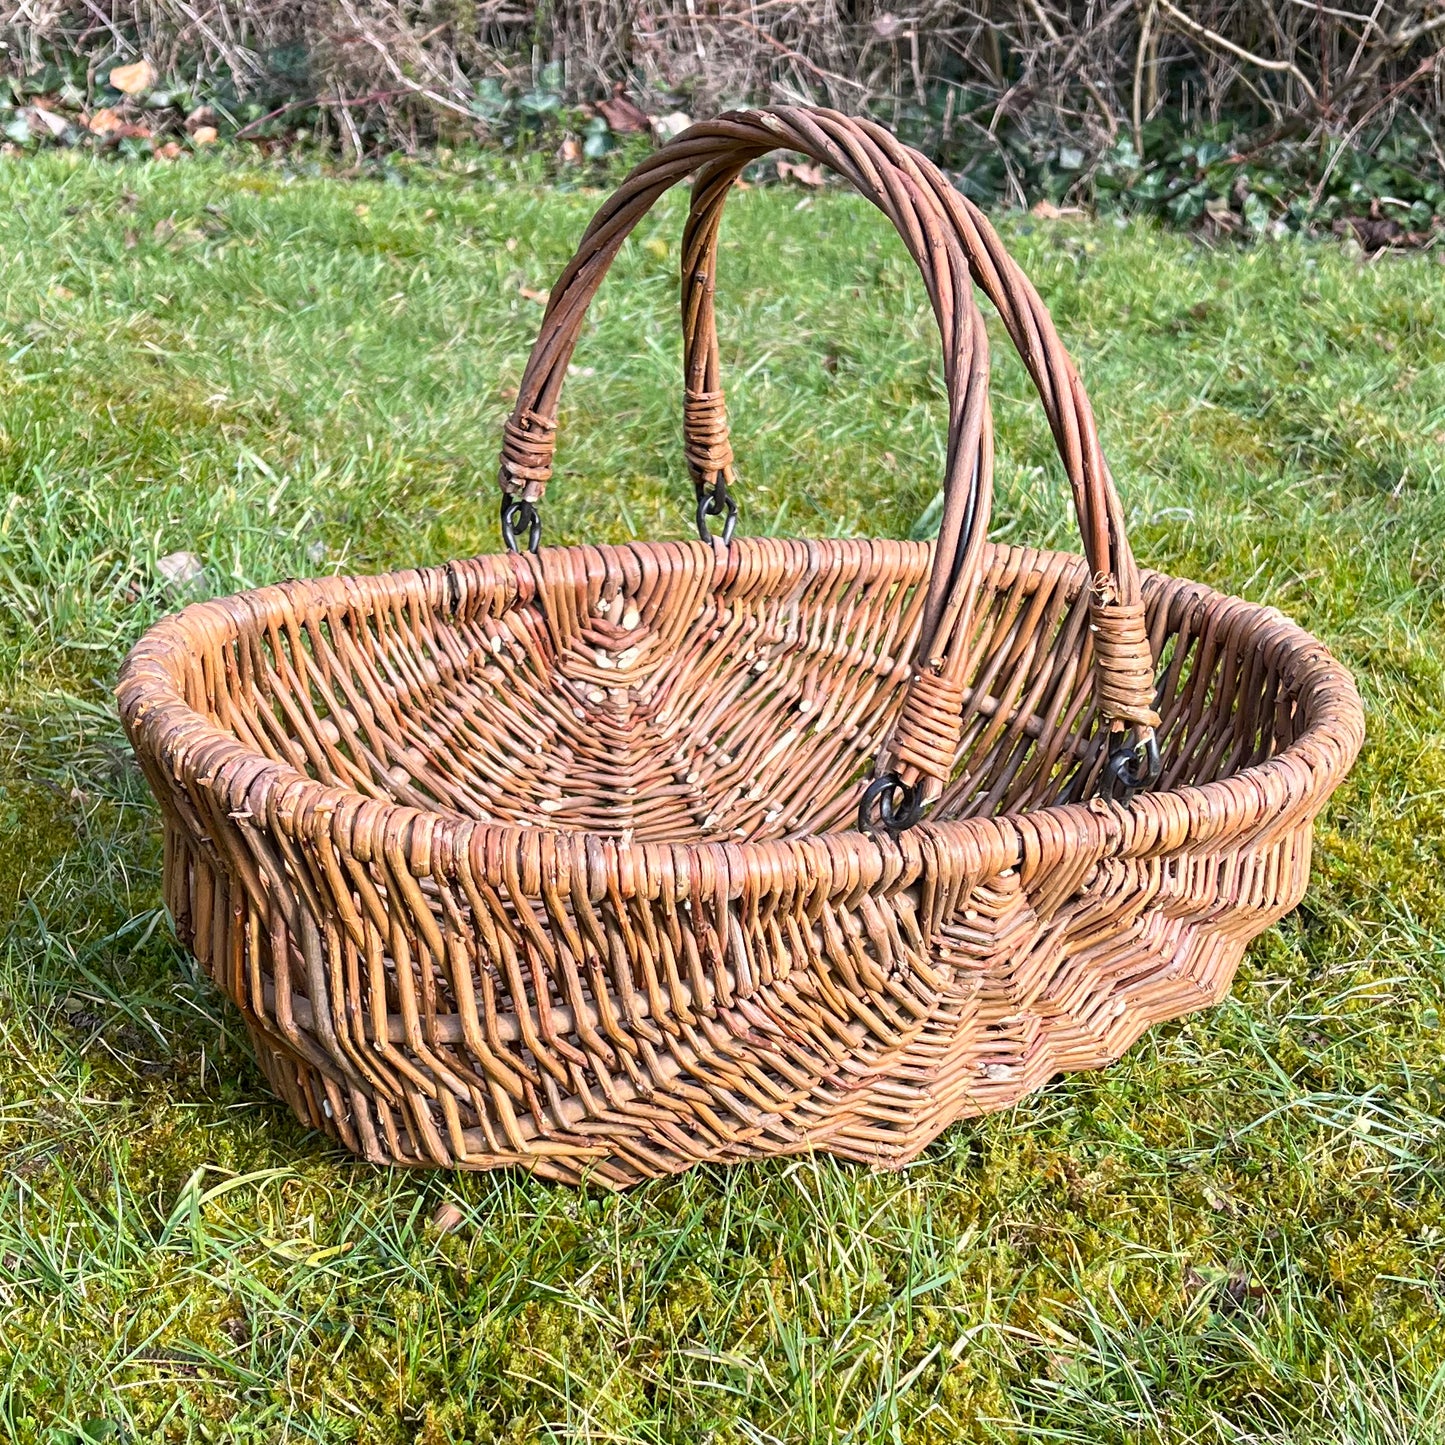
[604,861]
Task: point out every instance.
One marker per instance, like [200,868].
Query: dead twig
[378,97]
[1419,73]
[1260,62]
[770,40]
[1315,65]
[1144,31]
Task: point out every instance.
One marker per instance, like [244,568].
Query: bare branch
[1101,65]
[1213,37]
[1139,55]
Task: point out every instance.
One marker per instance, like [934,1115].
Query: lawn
[1235,1234]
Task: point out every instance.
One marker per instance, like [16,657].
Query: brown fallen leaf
[527,293]
[126,130]
[57,125]
[447,1218]
[204,135]
[1239,1289]
[104,122]
[570,152]
[622,117]
[800,171]
[1048,211]
[181,571]
[1220,1201]
[169,151]
[667,127]
[133,79]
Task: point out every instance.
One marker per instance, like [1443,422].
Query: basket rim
[1224,812]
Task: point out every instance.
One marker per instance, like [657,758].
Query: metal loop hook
[1132,767]
[518,515]
[716,501]
[898,805]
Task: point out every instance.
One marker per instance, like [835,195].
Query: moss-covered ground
[1235,1234]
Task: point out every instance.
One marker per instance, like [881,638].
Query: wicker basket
[555,858]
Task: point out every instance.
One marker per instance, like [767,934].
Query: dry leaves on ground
[621,115]
[1048,211]
[181,571]
[134,79]
[801,172]
[57,125]
[447,1218]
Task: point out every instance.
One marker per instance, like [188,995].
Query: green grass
[1235,1234]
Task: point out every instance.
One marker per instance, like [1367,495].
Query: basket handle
[952,244]
[1123,662]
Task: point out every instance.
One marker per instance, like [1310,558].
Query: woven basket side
[435,990]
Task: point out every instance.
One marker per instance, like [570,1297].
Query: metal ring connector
[898,805]
[1131,767]
[518,515]
[716,501]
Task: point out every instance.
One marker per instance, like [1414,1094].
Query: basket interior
[641,691]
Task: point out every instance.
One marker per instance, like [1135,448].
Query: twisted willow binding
[552,858]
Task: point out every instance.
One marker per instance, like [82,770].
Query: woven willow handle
[952,245]
[1124,671]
